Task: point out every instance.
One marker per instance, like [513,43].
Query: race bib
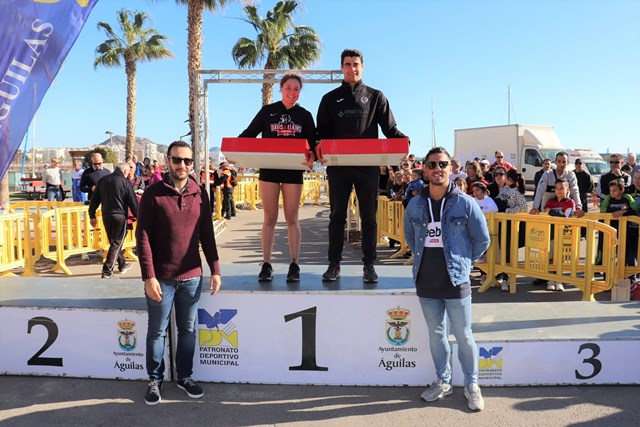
[433,238]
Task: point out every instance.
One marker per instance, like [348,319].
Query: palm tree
[195,9]
[136,43]
[279,41]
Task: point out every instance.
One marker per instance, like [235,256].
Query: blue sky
[571,64]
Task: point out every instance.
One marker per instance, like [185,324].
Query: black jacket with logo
[347,114]
[116,195]
[275,121]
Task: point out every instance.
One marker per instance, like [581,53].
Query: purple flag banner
[35,38]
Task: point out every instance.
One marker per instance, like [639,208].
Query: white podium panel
[74,342]
[574,362]
[347,339]
[267,153]
[364,152]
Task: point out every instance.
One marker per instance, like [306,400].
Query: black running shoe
[125,267]
[192,389]
[294,273]
[332,273]
[369,274]
[152,397]
[266,274]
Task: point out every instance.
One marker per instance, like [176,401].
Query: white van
[592,160]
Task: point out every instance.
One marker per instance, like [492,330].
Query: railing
[390,223]
[550,254]
[17,248]
[66,232]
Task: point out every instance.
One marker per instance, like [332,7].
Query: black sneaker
[106,275]
[266,274]
[332,273]
[369,275]
[294,273]
[192,389]
[126,267]
[152,397]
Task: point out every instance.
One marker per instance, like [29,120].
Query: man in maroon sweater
[174,218]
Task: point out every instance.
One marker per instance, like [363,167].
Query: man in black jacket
[117,197]
[352,111]
[92,175]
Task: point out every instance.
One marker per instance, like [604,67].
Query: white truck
[524,146]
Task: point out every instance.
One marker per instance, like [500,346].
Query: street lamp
[110,136]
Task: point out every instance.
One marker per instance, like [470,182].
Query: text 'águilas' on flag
[36,36]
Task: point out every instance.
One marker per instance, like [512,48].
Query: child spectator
[561,205]
[462,184]
[395,187]
[481,194]
[414,187]
[620,204]
[486,203]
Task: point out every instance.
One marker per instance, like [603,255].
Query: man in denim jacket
[447,233]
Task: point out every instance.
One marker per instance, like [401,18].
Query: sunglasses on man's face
[177,160]
[432,165]
[614,162]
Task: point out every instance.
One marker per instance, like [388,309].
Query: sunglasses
[499,157]
[432,165]
[499,174]
[177,160]
[614,162]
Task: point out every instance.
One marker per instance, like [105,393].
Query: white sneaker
[559,287]
[551,286]
[474,397]
[436,390]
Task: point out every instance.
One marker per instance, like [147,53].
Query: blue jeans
[185,294]
[54,193]
[459,313]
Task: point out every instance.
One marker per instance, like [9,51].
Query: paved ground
[26,401]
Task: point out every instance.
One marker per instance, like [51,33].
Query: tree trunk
[4,191]
[195,10]
[130,68]
[267,88]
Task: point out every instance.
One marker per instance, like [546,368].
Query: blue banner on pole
[36,36]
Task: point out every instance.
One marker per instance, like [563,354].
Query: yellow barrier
[390,223]
[17,248]
[606,218]
[550,257]
[66,232]
[246,192]
[311,190]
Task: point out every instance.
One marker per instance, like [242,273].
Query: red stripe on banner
[265,145]
[365,146]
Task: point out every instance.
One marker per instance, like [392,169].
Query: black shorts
[281,176]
